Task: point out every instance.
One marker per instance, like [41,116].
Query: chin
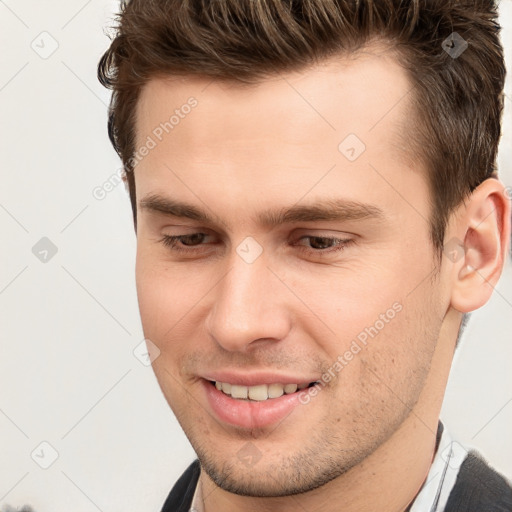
[248,472]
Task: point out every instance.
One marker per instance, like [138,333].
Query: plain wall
[69,326]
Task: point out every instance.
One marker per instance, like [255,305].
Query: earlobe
[484,226]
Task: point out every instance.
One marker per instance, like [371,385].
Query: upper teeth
[260,392]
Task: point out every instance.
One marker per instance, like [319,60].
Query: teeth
[238,391]
[275,390]
[290,388]
[259,393]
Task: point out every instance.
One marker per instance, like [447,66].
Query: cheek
[171,302]
[381,384]
[399,356]
[381,335]
[346,305]
[162,298]
[165,309]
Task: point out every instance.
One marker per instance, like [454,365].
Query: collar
[443,473]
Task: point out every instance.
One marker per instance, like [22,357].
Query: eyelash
[172,242]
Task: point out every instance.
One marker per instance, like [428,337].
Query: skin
[366,441]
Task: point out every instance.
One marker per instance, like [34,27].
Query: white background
[69,326]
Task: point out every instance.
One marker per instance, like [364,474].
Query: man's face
[253,296]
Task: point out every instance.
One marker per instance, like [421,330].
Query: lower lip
[250,414]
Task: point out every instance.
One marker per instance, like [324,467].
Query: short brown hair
[458,99]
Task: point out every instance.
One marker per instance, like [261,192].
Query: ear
[483,230]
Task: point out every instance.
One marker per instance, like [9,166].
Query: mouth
[261,392]
[256,406]
[257,400]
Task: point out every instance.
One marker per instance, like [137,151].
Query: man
[316,205]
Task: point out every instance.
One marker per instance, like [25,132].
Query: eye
[322,244]
[184,242]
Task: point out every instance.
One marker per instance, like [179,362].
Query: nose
[248,308]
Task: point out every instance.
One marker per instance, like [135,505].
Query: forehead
[354,93]
[282,133]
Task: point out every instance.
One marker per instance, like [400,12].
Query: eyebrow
[326,210]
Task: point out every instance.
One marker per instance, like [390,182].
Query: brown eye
[194,239]
[183,242]
[319,242]
[322,246]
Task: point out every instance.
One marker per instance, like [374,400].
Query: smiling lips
[260,392]
[253,400]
